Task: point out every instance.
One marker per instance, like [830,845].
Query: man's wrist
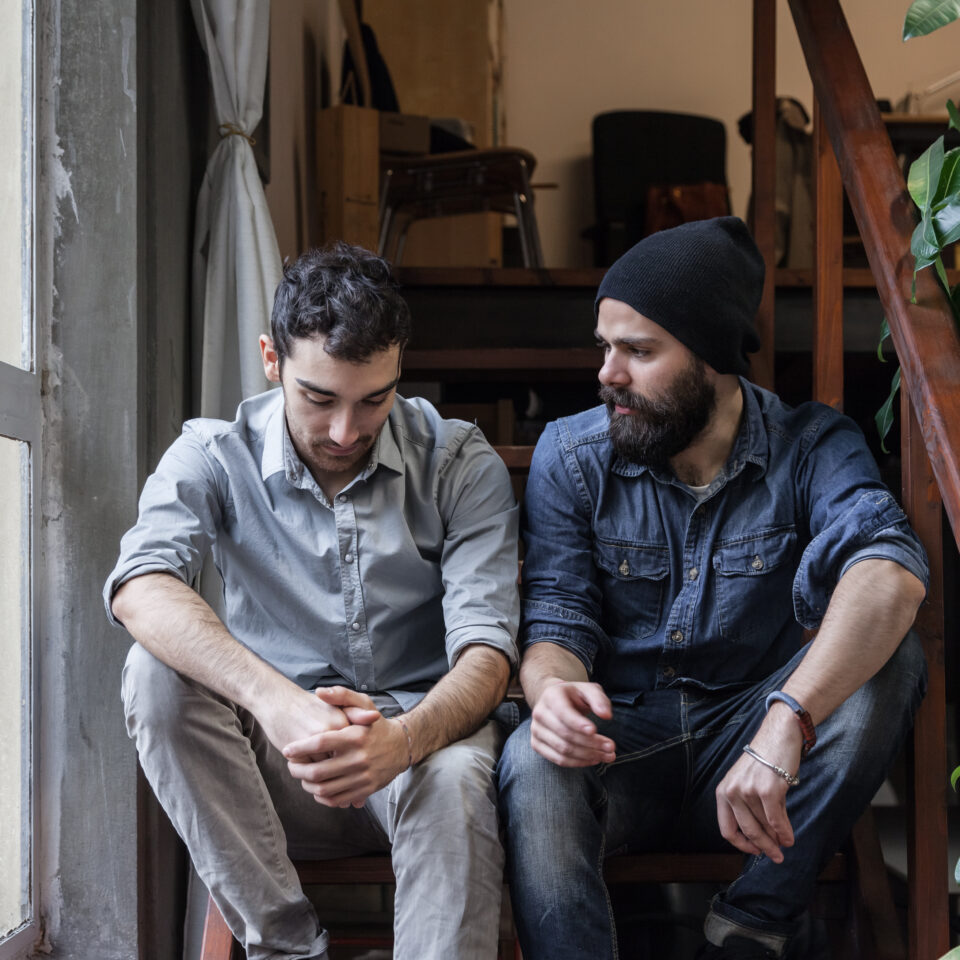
[408,740]
[801,717]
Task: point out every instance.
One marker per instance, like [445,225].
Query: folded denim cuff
[724,921]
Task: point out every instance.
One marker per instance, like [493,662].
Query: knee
[530,785]
[876,717]
[152,693]
[902,681]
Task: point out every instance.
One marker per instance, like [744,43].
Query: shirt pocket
[632,579]
[754,577]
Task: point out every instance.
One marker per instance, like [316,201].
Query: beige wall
[306,40]
[567,60]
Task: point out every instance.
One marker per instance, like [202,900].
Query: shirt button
[668,672]
[693,573]
[354,625]
[348,557]
[757,563]
[677,636]
[363,686]
[343,498]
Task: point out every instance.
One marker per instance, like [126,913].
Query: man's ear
[271,362]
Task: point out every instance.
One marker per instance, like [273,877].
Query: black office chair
[634,150]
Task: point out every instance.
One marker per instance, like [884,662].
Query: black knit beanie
[701,282]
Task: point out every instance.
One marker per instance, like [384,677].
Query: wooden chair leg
[873,909]
[218,942]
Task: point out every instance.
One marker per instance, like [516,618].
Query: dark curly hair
[345,294]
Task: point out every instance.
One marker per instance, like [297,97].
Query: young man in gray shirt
[368,554]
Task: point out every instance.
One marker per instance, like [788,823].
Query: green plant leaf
[942,274]
[925,16]
[924,174]
[954,115]
[923,251]
[954,777]
[884,416]
[949,182]
[884,333]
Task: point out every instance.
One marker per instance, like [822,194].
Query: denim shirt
[652,587]
[380,589]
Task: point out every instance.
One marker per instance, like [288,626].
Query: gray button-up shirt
[379,590]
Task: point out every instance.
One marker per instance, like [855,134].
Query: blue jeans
[673,748]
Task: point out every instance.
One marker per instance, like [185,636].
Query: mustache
[611,396]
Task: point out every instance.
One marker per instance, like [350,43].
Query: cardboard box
[404,133]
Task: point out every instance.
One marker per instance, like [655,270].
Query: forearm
[873,606]
[460,701]
[545,664]
[181,629]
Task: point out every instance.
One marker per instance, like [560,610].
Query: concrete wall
[86,283]
[565,61]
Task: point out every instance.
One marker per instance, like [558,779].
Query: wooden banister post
[828,272]
[764,175]
[927,867]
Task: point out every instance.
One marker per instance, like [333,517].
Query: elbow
[119,604]
[913,590]
[905,590]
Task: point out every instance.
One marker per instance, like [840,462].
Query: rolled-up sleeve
[561,597]
[180,510]
[481,601]
[852,517]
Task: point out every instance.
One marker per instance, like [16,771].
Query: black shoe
[736,948]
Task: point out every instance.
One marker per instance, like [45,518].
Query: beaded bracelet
[807,729]
[403,724]
[779,771]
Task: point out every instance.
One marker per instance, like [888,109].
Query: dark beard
[665,425]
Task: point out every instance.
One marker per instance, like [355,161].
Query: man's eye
[317,402]
[376,401]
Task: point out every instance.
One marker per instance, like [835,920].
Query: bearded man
[679,539]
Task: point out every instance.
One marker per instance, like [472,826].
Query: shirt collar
[280,455]
[275,440]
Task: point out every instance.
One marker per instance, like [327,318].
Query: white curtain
[236,257]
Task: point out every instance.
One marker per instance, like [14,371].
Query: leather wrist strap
[807,729]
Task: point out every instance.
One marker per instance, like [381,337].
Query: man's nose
[613,373]
[343,429]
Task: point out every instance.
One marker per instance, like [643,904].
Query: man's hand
[752,799]
[296,715]
[343,767]
[562,730]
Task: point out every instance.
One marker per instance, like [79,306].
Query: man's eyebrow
[638,341]
[315,388]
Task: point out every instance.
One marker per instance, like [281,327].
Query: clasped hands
[355,752]
[751,799]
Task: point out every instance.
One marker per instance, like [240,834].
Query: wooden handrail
[924,333]
[928,347]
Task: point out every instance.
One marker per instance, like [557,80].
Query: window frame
[21,419]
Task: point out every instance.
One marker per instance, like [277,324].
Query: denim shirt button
[693,573]
[676,637]
[757,563]
[354,625]
[668,672]
[348,557]
[624,569]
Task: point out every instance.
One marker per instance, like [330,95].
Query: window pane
[12,301]
[14,692]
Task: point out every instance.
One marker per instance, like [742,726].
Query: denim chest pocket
[632,578]
[754,582]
